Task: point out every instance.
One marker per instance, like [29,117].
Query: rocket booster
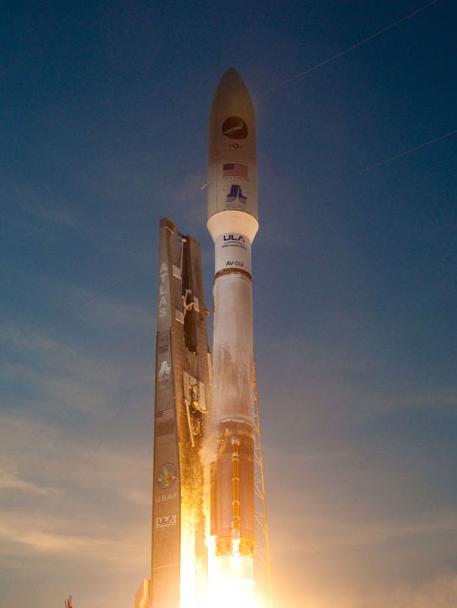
[233,224]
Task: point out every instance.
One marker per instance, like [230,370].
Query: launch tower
[182,380]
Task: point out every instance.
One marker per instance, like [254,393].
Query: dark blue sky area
[103,110]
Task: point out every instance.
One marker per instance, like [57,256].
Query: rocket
[207,471]
[232,224]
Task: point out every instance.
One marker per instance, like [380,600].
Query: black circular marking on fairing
[235,128]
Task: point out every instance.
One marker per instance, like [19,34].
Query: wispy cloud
[54,372]
[10,481]
[43,455]
[62,373]
[71,497]
[354,384]
[102,310]
[330,533]
[39,204]
[51,213]
[430,592]
[52,536]
[437,593]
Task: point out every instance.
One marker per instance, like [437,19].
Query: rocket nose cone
[232,95]
[231,77]
[231,85]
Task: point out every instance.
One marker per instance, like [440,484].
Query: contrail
[355,46]
[407,152]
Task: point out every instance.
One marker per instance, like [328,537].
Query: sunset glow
[229,582]
[191,417]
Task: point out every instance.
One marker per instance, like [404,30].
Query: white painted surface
[232,221]
[233,252]
[233,349]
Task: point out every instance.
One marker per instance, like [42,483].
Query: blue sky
[103,109]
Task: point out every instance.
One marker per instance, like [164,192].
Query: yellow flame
[228,583]
[208,580]
[188,566]
[227,592]
[231,581]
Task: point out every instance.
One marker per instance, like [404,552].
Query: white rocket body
[233,224]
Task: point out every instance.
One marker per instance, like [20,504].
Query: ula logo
[165,521]
[234,238]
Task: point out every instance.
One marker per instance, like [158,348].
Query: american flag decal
[235,170]
[166,414]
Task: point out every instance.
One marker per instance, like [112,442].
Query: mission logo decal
[165,424]
[166,476]
[235,194]
[165,521]
[234,127]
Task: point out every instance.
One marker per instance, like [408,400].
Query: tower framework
[182,379]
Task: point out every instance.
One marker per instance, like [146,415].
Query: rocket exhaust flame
[231,581]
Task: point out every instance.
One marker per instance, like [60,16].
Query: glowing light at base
[188,590]
[229,583]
